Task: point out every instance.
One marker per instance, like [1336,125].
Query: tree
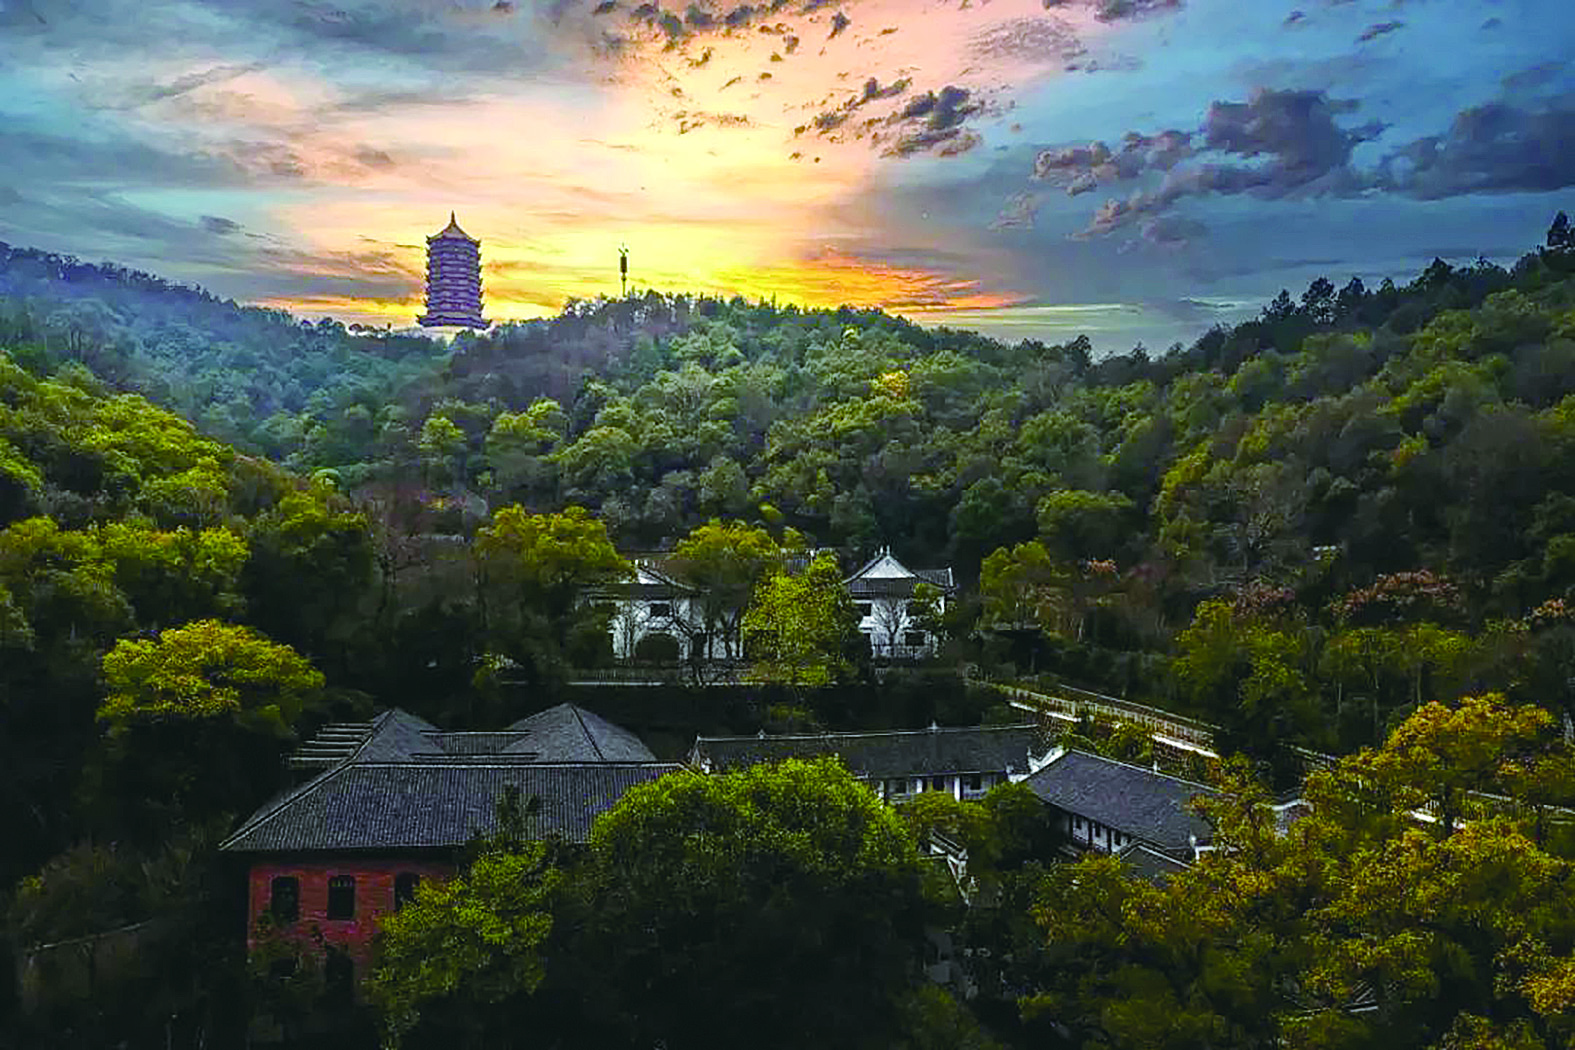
[1441,752]
[725,563]
[776,906]
[207,670]
[1561,236]
[538,574]
[465,946]
[199,719]
[1360,925]
[799,628]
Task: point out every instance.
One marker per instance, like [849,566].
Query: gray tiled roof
[567,733]
[1151,807]
[1149,864]
[425,805]
[406,784]
[879,756]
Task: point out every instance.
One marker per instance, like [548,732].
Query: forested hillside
[1318,528]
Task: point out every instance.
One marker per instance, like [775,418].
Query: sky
[1136,170]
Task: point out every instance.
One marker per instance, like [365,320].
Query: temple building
[453,279]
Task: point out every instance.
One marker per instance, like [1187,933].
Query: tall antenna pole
[623,268]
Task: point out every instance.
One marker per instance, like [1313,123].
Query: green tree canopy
[205,670]
[799,628]
[776,906]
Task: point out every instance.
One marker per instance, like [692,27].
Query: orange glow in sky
[704,158]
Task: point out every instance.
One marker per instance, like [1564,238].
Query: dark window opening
[913,638]
[284,898]
[975,782]
[282,969]
[937,783]
[661,610]
[862,608]
[405,884]
[339,978]
[341,897]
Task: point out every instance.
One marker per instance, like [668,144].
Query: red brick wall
[374,897]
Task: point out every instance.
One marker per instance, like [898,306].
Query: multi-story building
[453,279]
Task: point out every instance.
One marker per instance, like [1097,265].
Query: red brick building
[391,802]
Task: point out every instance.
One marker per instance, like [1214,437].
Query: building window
[341,897]
[405,884]
[914,638]
[284,898]
[975,782]
[1077,823]
[937,783]
[661,610]
[283,969]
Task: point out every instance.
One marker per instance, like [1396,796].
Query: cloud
[192,81]
[1051,40]
[9,196]
[933,121]
[1372,32]
[1291,139]
[1117,10]
[830,120]
[1493,148]
[1017,213]
[1284,143]
[373,158]
[1533,77]
[218,224]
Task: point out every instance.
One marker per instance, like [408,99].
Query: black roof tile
[427,805]
[884,755]
[1151,807]
[405,784]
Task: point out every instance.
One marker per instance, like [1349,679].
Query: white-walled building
[653,615]
[1109,806]
[882,592]
[964,761]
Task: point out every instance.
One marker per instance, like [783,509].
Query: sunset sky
[1133,169]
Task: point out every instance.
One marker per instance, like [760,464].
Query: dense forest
[221,528]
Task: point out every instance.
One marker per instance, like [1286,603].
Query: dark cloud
[932,122]
[9,196]
[832,119]
[1084,168]
[1294,17]
[1494,148]
[1372,32]
[219,224]
[1291,138]
[1293,144]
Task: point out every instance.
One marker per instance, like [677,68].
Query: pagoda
[453,279]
